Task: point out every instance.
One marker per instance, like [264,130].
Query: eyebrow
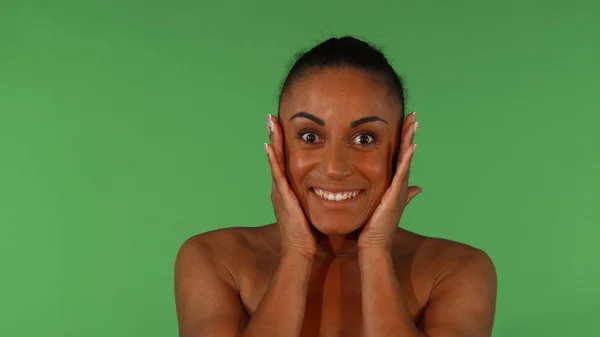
[353,124]
[310,116]
[368,119]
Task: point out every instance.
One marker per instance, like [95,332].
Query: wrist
[374,252]
[375,242]
[375,248]
[298,254]
[374,259]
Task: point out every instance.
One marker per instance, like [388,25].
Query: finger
[407,148]
[275,197]
[276,138]
[403,167]
[408,120]
[277,174]
[275,193]
[408,133]
[408,143]
[273,164]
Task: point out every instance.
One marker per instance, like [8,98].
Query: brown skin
[327,269]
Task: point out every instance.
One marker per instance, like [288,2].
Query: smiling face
[341,130]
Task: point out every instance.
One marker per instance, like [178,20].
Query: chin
[335,225]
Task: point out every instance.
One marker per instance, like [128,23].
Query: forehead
[340,94]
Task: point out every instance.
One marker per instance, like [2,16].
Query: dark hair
[349,52]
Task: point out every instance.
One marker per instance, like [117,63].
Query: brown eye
[309,137]
[364,139]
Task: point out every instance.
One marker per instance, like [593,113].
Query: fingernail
[266,148]
[270,125]
[415,126]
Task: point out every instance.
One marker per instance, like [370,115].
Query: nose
[336,162]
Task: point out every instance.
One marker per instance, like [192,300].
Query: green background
[128,126]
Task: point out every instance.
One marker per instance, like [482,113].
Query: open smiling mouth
[335,196]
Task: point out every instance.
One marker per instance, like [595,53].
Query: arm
[208,304]
[206,299]
[281,311]
[385,312]
[461,305]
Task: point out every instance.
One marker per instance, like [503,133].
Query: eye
[364,139]
[309,137]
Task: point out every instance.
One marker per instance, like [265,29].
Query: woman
[336,263]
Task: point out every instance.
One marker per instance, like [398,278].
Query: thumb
[412,192]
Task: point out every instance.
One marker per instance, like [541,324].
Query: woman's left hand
[383,224]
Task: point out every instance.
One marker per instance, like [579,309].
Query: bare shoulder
[207,281]
[228,247]
[463,286]
[226,241]
[443,256]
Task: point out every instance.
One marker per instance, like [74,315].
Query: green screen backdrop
[128,126]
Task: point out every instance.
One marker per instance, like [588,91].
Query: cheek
[298,165]
[378,174]
[376,167]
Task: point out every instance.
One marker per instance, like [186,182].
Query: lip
[336,189]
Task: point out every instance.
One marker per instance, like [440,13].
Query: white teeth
[336,196]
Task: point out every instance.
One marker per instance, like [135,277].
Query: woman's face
[341,130]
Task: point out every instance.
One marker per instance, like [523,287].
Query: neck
[331,246]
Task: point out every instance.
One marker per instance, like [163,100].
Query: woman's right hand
[295,231]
